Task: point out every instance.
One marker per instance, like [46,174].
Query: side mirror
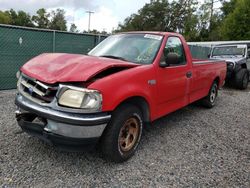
[208,55]
[171,59]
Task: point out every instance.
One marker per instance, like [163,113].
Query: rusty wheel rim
[129,134]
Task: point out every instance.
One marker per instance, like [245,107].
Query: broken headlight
[82,98]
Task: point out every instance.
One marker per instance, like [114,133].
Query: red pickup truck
[109,95]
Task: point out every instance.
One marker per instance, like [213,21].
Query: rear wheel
[241,79]
[123,133]
[209,100]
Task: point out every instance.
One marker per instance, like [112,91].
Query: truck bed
[203,73]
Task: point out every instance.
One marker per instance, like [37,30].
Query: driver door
[174,80]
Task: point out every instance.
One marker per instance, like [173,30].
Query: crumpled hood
[59,67]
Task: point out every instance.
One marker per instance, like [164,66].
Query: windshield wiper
[114,57]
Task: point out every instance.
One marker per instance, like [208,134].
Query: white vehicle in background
[237,58]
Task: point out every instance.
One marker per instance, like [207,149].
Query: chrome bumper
[65,124]
[64,117]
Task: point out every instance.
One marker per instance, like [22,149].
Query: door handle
[189,74]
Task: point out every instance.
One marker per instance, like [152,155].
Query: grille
[36,90]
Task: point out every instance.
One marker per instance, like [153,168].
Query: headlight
[80,98]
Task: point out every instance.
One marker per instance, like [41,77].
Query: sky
[106,17]
[107,13]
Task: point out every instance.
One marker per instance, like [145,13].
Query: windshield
[137,48]
[229,51]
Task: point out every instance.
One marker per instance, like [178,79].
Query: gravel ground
[193,147]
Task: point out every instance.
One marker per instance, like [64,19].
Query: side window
[174,45]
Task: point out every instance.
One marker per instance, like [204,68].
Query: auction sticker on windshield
[156,37]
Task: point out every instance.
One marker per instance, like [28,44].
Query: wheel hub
[129,134]
[213,94]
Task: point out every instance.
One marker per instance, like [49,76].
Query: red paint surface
[173,90]
[59,67]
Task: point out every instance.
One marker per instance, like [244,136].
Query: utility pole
[211,14]
[89,12]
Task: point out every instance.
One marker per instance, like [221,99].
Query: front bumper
[68,131]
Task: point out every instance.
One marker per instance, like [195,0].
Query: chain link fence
[19,44]
[199,51]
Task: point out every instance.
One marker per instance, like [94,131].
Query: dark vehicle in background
[237,57]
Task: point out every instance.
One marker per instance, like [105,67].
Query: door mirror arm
[163,64]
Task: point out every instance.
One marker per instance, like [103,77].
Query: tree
[73,28]
[5,18]
[104,32]
[150,17]
[19,18]
[41,20]
[190,29]
[209,21]
[236,23]
[13,16]
[24,19]
[183,19]
[58,21]
[160,15]
[228,7]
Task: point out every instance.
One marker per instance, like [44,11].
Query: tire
[210,99]
[122,135]
[241,79]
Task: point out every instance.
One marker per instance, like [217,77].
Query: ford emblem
[30,90]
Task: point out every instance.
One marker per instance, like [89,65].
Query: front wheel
[209,100]
[122,136]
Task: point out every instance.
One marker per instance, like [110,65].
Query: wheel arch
[217,80]
[139,102]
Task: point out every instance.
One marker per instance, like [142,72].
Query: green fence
[199,51]
[19,44]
